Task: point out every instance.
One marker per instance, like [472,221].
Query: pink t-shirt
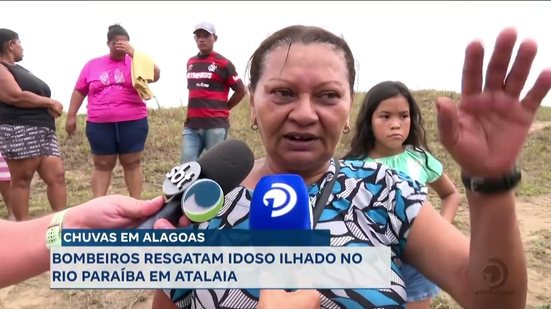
[111,96]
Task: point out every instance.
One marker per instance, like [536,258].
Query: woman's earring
[254,126]
[346,129]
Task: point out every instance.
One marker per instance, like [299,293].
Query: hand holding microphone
[198,188]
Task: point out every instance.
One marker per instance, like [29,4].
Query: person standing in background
[390,130]
[209,78]
[28,140]
[117,124]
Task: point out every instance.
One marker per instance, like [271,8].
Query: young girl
[389,130]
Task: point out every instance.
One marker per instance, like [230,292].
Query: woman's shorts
[26,142]
[4,171]
[418,287]
[117,137]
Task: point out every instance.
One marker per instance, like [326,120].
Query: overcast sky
[419,43]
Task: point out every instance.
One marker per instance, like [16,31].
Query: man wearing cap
[209,78]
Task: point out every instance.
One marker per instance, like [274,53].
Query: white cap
[208,27]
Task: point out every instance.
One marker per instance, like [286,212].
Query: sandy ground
[538,125]
[534,215]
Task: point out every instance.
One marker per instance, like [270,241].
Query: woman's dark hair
[116,30]
[299,34]
[6,35]
[363,140]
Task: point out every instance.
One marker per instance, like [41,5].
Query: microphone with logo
[198,188]
[280,202]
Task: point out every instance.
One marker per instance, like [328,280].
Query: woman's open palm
[487,130]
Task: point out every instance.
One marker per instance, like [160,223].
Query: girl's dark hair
[114,31]
[299,34]
[363,140]
[6,35]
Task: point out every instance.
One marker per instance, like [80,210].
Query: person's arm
[484,134]
[237,96]
[129,50]
[162,301]
[236,85]
[80,91]
[447,192]
[11,93]
[76,101]
[441,252]
[28,256]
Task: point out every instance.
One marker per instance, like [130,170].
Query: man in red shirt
[210,77]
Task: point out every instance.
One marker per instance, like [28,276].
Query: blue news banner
[214,259]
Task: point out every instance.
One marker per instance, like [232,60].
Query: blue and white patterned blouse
[371,205]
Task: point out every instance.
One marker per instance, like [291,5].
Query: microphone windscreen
[279,202]
[227,163]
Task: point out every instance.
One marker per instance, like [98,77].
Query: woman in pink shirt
[116,124]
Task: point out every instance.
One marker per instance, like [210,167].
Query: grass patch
[536,178]
[544,113]
[538,248]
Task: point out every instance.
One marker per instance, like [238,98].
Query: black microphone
[224,166]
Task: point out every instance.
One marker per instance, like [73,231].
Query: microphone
[280,202]
[198,188]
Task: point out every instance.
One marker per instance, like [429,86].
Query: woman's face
[301,105]
[116,54]
[17,49]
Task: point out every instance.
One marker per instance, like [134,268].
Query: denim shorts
[117,137]
[418,287]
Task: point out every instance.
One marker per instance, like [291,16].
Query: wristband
[491,186]
[53,233]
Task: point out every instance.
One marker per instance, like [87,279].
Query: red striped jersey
[209,79]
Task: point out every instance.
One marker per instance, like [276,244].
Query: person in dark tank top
[28,139]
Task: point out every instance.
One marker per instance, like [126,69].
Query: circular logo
[281,197]
[202,200]
[495,273]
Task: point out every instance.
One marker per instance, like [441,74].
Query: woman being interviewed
[301,91]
